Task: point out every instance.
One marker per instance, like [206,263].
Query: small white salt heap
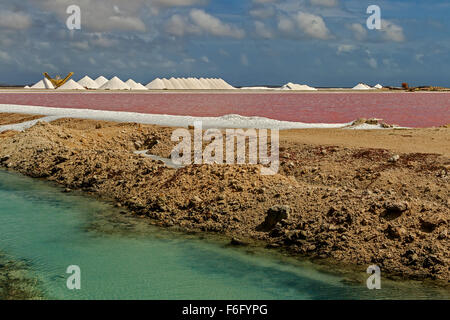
[115,84]
[88,83]
[43,84]
[134,85]
[101,81]
[156,84]
[71,85]
[361,86]
[378,86]
[294,86]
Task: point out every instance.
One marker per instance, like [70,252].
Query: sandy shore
[341,196]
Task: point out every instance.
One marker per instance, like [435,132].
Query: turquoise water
[123,257]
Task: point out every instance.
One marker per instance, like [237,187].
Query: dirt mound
[353,205]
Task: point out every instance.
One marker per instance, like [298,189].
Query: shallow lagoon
[123,257]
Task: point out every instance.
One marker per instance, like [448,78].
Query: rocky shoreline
[354,206]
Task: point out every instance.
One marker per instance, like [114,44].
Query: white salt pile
[189,84]
[115,84]
[176,84]
[88,83]
[134,85]
[168,85]
[378,86]
[43,84]
[101,81]
[26,87]
[294,86]
[257,88]
[227,121]
[156,84]
[71,85]
[226,84]
[362,86]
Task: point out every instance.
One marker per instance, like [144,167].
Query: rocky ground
[336,199]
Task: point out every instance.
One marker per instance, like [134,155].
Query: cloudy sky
[246,42]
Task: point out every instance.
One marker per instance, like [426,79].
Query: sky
[322,43]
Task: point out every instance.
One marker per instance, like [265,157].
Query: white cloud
[392,32]
[80,45]
[214,26]
[359,32]
[372,63]
[345,48]
[178,26]
[419,57]
[178,3]
[126,23]
[4,56]
[102,41]
[312,25]
[286,25]
[14,20]
[205,59]
[324,3]
[262,31]
[101,15]
[200,22]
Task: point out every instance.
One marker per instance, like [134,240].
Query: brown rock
[4,158]
[395,232]
[394,210]
[237,242]
[274,215]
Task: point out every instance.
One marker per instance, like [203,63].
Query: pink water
[406,109]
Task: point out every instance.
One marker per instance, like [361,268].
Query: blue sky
[246,42]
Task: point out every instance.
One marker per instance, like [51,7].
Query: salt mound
[214,84]
[156,84]
[259,88]
[168,84]
[71,85]
[189,84]
[43,84]
[88,83]
[140,86]
[134,85]
[378,86]
[26,87]
[225,84]
[204,83]
[176,83]
[101,81]
[294,86]
[115,84]
[361,86]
